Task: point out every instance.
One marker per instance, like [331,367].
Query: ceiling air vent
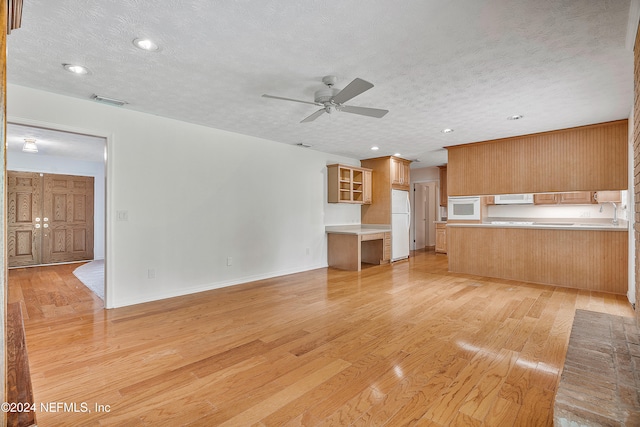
[108,101]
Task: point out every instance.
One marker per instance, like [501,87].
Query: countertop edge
[544,227]
[358,229]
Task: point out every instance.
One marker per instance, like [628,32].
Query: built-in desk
[350,245]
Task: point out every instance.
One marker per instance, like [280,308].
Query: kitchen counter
[350,245]
[549,224]
[358,229]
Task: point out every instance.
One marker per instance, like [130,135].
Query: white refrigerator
[400,220]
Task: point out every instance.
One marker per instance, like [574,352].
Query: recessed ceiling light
[374,148]
[515,117]
[447,130]
[145,44]
[76,69]
[397,154]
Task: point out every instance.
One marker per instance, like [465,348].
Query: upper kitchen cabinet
[607,196]
[572,198]
[348,184]
[568,160]
[443,186]
[399,173]
[388,173]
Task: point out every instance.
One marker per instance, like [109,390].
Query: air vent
[109,101]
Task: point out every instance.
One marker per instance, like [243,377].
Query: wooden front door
[24,222]
[54,218]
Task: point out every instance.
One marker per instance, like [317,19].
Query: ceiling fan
[332,99]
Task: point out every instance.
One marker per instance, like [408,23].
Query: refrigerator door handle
[408,213]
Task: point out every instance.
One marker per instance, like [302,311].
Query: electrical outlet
[151,273]
[122,215]
[229,261]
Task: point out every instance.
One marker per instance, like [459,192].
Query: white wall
[556,211]
[195,196]
[25,162]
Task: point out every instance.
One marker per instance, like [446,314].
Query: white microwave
[463,208]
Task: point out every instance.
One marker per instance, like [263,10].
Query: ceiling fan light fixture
[145,44]
[30,146]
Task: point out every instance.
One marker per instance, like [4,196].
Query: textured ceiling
[465,65]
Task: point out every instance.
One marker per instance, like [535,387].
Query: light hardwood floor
[401,344]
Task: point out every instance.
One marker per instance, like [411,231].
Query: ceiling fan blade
[313,116]
[353,89]
[290,99]
[364,111]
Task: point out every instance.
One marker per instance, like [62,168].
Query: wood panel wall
[594,260]
[585,158]
[379,211]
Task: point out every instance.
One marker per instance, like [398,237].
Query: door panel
[23,216]
[68,218]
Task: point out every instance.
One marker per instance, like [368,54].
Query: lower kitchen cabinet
[386,254]
[441,238]
[593,260]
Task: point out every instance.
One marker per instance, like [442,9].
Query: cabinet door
[399,174]
[386,254]
[545,199]
[441,238]
[366,187]
[607,196]
[443,186]
[577,198]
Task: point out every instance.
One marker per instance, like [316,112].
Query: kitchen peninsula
[351,245]
[585,255]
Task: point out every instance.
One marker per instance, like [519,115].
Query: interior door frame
[436,194]
[108,202]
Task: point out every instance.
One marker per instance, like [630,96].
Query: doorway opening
[59,199]
[424,215]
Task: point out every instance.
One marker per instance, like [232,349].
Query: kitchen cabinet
[348,184]
[545,199]
[441,238]
[443,186]
[586,157]
[589,259]
[571,198]
[367,195]
[576,198]
[607,196]
[383,171]
[399,173]
[386,254]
